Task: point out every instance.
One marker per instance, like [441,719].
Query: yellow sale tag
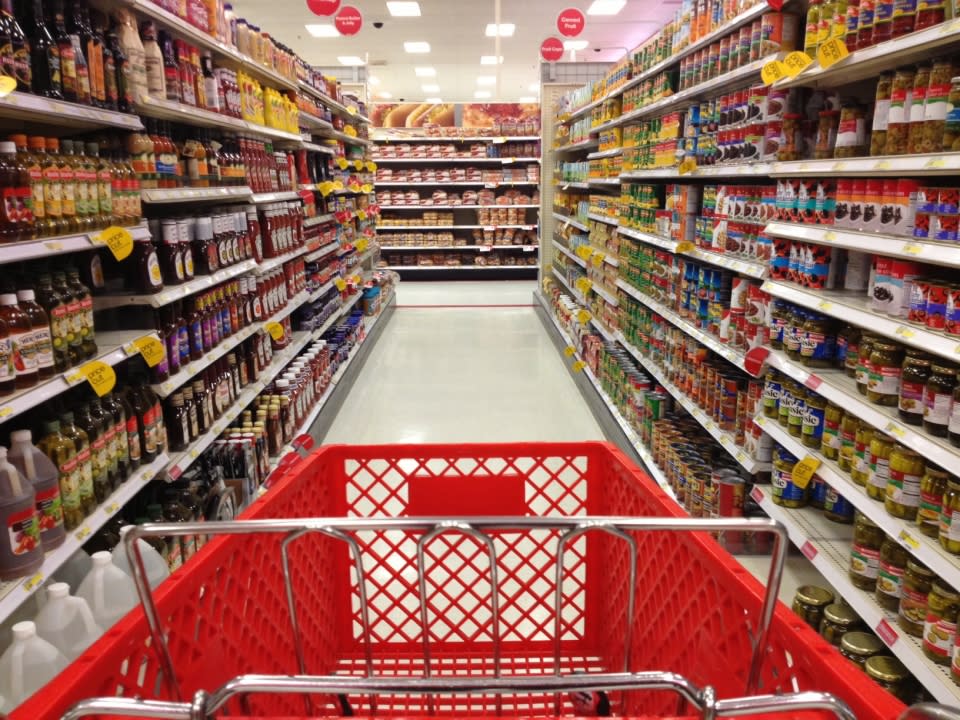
[908,540]
[101,377]
[772,71]
[584,252]
[685,247]
[118,239]
[936,163]
[597,259]
[371,166]
[361,245]
[33,582]
[325,188]
[829,236]
[831,52]
[687,165]
[351,110]
[275,329]
[7,85]
[569,351]
[338,185]
[904,332]
[796,62]
[584,317]
[579,365]
[883,165]
[367,189]
[151,349]
[343,163]
[912,249]
[358,164]
[341,284]
[804,470]
[361,215]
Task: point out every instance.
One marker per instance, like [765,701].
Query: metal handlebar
[930,711]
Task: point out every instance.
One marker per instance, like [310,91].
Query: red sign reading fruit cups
[551,49]
[570,22]
[323,7]
[348,21]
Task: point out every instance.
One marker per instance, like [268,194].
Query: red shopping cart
[462,580]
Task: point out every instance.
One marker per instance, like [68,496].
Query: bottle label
[938,635]
[948,528]
[68,69]
[937,407]
[105,192]
[121,442]
[111,90]
[153,270]
[86,469]
[86,316]
[82,194]
[36,192]
[24,352]
[83,81]
[60,325]
[21,64]
[889,579]
[133,439]
[95,68]
[913,604]
[174,554]
[70,484]
[885,379]
[911,397]
[49,509]
[23,532]
[44,347]
[864,561]
[53,62]
[52,192]
[69,193]
[101,455]
[904,489]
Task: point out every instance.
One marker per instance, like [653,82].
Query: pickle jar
[953,429]
[819,345]
[951,130]
[903,488]
[917,583]
[913,383]
[830,438]
[936,105]
[892,675]
[865,552]
[797,409]
[848,349]
[898,125]
[879,475]
[836,507]
[921,83]
[940,626]
[772,389]
[814,418]
[933,485]
[838,619]
[893,563]
[788,391]
[785,493]
[862,374]
[886,369]
[809,604]
[950,517]
[849,426]
[858,647]
[938,398]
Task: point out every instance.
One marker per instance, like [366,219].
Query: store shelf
[650,239]
[322,252]
[331,104]
[604,219]
[605,182]
[191,195]
[451,160]
[270,197]
[458,207]
[25,107]
[312,122]
[712,342]
[321,291]
[59,244]
[575,294]
[575,185]
[445,268]
[605,294]
[488,185]
[408,228]
[313,147]
[601,154]
[318,220]
[14,593]
[744,267]
[946,254]
[580,111]
[579,261]
[755,169]
[921,165]
[827,545]
[176,292]
[495,140]
[855,309]
[587,144]
[481,248]
[566,219]
[188,114]
[268,264]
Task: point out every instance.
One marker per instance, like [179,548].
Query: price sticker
[54,245]
[772,71]
[351,110]
[366,189]
[33,582]
[688,165]
[508,161]
[275,329]
[886,633]
[813,382]
[194,454]
[909,540]
[579,365]
[911,249]
[741,457]
[584,316]
[831,52]
[361,245]
[151,349]
[796,62]
[685,247]
[894,429]
[804,471]
[839,167]
[829,236]
[757,494]
[101,376]
[904,332]
[325,188]
[358,164]
[6,411]
[112,509]
[340,284]
[569,351]
[883,165]
[825,305]
[936,163]
[499,140]
[809,550]
[82,533]
[597,259]
[338,185]
[118,239]
[371,166]
[343,163]
[361,215]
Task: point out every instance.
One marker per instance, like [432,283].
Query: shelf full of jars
[785,272]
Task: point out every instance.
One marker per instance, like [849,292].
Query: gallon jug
[74,570]
[27,665]
[154,562]
[67,622]
[108,590]
[42,474]
[20,550]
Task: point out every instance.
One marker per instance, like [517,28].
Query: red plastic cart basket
[384,565]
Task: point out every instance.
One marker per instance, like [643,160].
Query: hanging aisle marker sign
[796,62]
[551,49]
[118,239]
[831,52]
[348,21]
[323,7]
[570,22]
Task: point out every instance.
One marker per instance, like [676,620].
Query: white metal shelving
[567,220]
[481,248]
[176,292]
[476,183]
[452,160]
[59,244]
[754,169]
[163,109]
[601,154]
[604,219]
[929,164]
[458,207]
[61,114]
[471,268]
[186,195]
[414,228]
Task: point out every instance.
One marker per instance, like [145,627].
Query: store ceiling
[455,30]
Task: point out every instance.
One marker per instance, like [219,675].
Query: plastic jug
[108,590]
[153,561]
[20,549]
[43,475]
[67,622]
[27,665]
[74,570]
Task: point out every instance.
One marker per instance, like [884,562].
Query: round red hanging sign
[323,7]
[570,22]
[348,21]
[551,49]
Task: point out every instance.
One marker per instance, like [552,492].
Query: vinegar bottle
[42,474]
[21,552]
[22,347]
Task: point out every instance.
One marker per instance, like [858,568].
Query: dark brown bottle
[44,56]
[105,420]
[149,277]
[16,57]
[56,308]
[132,431]
[146,424]
[118,435]
[15,224]
[68,64]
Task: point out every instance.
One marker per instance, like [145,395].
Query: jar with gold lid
[838,619]
[809,604]
[859,646]
[933,486]
[903,488]
[940,625]
[949,533]
[865,552]
[893,564]
[917,583]
[891,674]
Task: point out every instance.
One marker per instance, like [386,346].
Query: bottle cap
[26,295]
[21,436]
[101,558]
[8,298]
[58,590]
[24,630]
[8,148]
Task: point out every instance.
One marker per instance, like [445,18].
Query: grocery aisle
[464,362]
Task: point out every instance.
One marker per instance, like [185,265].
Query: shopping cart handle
[930,711]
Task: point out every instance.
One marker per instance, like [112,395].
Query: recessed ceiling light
[481,94]
[575,44]
[486,80]
[322,30]
[430,88]
[404,9]
[425,71]
[433,100]
[373,80]
[529,99]
[604,7]
[416,46]
[384,94]
[506,30]
[350,60]
[490,59]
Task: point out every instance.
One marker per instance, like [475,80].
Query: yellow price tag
[358,164]
[796,62]
[101,376]
[883,165]
[831,52]
[909,540]
[7,85]
[338,185]
[569,351]
[366,189]
[584,252]
[6,411]
[804,470]
[82,533]
[33,582]
[936,163]
[325,188]
[584,316]
[361,215]
[579,365]
[905,332]
[687,165]
[118,239]
[343,163]
[275,329]
[351,110]
[685,247]
[371,166]
[825,305]
[361,245]
[597,259]
[340,284]
[772,71]
[151,349]
[912,249]
[112,508]
[829,236]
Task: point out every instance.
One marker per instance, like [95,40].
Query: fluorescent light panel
[416,46]
[490,59]
[350,60]
[482,94]
[430,88]
[384,94]
[486,80]
[575,44]
[606,7]
[506,30]
[322,30]
[425,72]
[534,87]
[404,9]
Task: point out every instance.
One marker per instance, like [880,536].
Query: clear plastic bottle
[42,474]
[66,622]
[28,664]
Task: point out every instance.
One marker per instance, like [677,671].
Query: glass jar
[863,362]
[849,425]
[809,604]
[929,13]
[893,563]
[953,429]
[830,438]
[913,382]
[938,398]
[898,123]
[838,619]
[772,389]
[891,674]
[858,647]
[798,406]
[951,130]
[903,488]
[921,84]
[792,146]
[940,626]
[848,349]
[949,533]
[935,105]
[865,552]
[917,583]
[852,132]
[827,126]
[788,391]
[881,446]
[818,341]
[881,112]
[886,368]
[836,507]
[933,486]
[814,417]
[785,493]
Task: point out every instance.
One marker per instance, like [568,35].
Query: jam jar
[865,552]
[917,583]
[893,563]
[913,383]
[886,368]
[809,604]
[838,619]
[933,486]
[902,497]
[940,626]
[858,647]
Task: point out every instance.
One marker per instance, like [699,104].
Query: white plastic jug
[27,665]
[43,474]
[157,568]
[74,570]
[108,590]
[67,622]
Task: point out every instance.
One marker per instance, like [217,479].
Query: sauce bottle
[21,551]
[104,184]
[190,406]
[44,56]
[123,70]
[53,188]
[146,426]
[105,421]
[73,427]
[56,309]
[118,435]
[42,339]
[11,186]
[149,276]
[68,184]
[82,70]
[132,431]
[23,351]
[132,48]
[42,474]
[178,423]
[183,332]
[63,453]
[82,293]
[32,163]
[170,335]
[68,65]
[169,254]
